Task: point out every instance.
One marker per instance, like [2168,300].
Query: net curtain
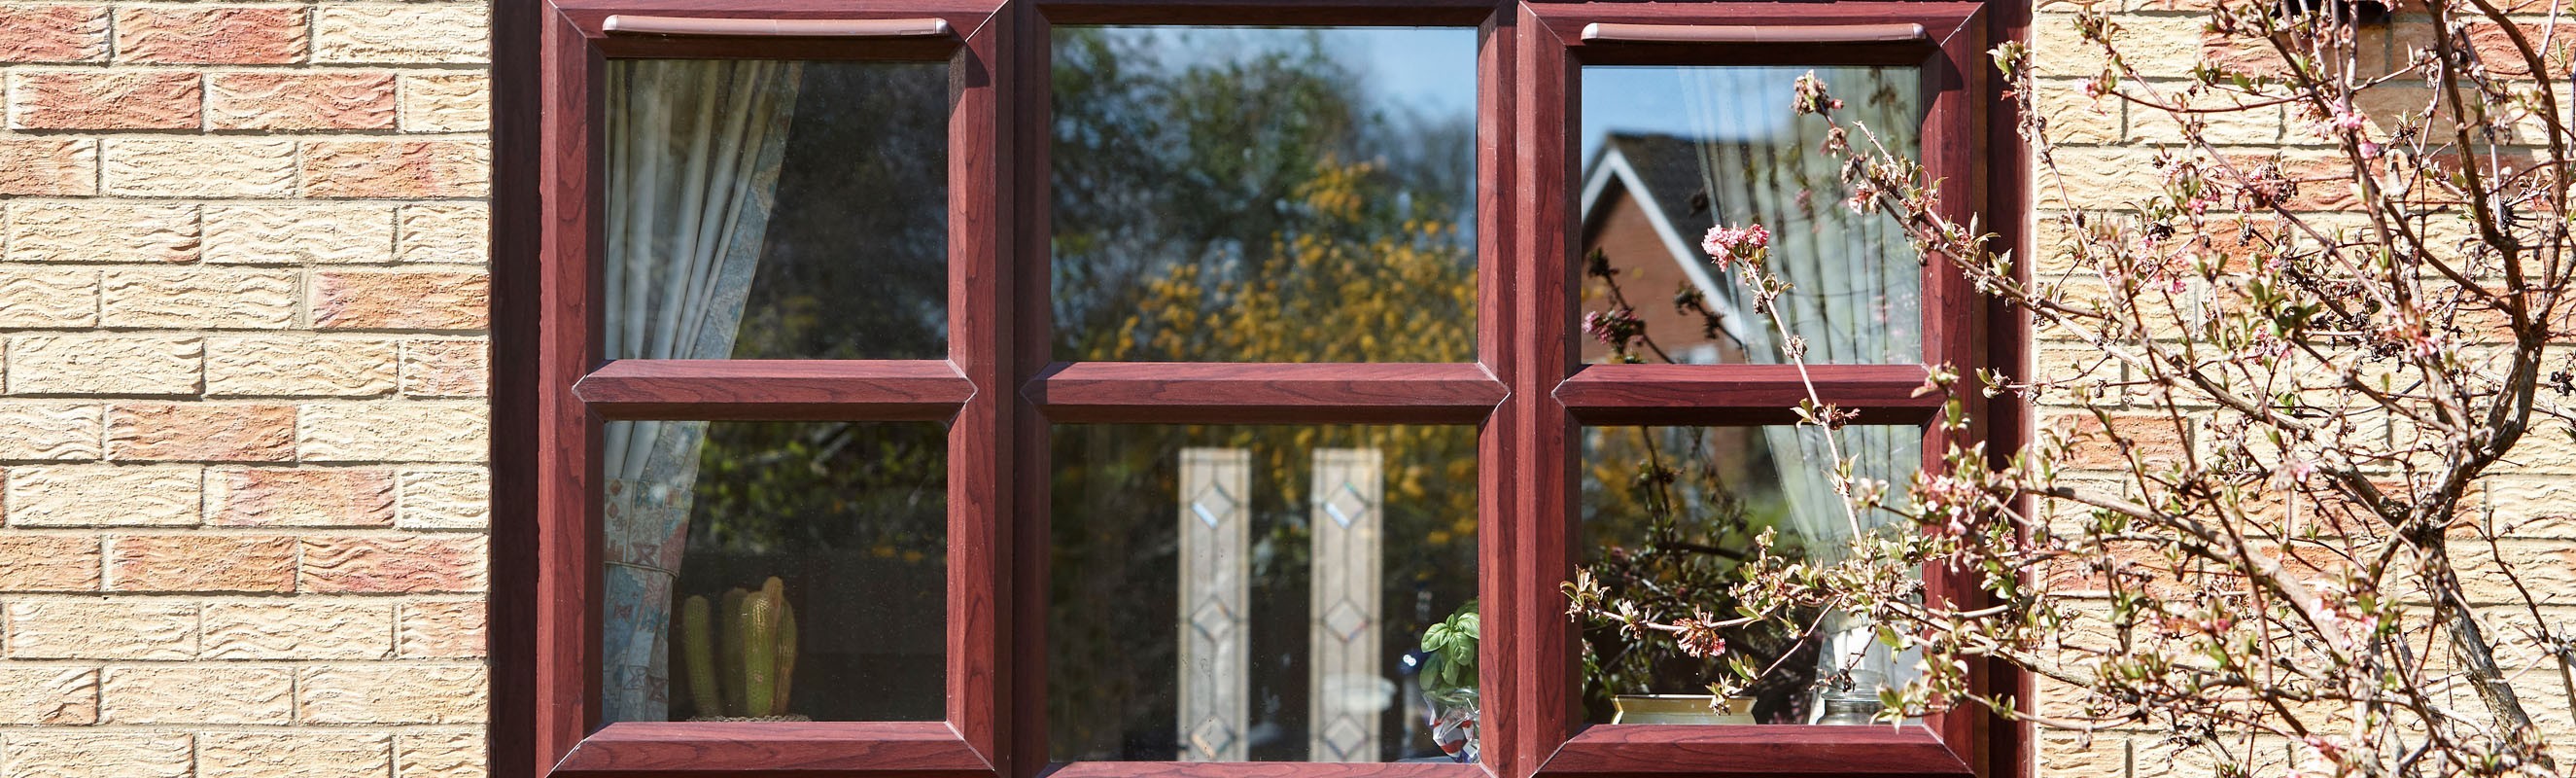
[694,151]
[1855,293]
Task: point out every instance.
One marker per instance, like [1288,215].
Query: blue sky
[1432,71]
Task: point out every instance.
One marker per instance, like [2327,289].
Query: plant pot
[1454,715]
[1681,709]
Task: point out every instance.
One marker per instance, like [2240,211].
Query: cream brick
[82,231]
[103,629]
[71,754]
[41,297]
[445,232]
[201,299]
[2100,178]
[299,754]
[103,496]
[445,368]
[301,628]
[274,497]
[446,102]
[2532,507]
[116,365]
[2265,125]
[392,694]
[195,167]
[49,695]
[401,34]
[205,694]
[2073,119]
[440,755]
[339,233]
[445,499]
[51,431]
[442,630]
[393,432]
[300,367]
[2152,44]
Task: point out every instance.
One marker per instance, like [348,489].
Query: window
[1101,388]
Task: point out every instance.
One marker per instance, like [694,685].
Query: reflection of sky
[1701,103]
[1427,71]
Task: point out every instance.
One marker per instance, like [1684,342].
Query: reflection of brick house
[1645,206]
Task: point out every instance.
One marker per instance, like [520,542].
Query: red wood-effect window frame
[999,391]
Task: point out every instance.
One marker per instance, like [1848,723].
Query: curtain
[694,151]
[1855,292]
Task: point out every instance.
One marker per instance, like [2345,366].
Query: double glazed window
[1109,389]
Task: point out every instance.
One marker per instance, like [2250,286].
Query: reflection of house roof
[1663,173]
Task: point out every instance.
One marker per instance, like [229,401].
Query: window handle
[1605,32]
[776,28]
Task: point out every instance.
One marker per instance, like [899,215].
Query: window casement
[984,398]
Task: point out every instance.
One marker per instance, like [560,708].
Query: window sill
[1722,751]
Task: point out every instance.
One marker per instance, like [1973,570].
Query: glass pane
[1258,593]
[776,210]
[1673,151]
[1670,512]
[1265,195]
[847,520]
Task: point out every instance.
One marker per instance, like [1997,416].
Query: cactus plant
[746,670]
[760,649]
[729,650]
[697,655]
[786,652]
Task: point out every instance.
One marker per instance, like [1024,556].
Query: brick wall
[242,423]
[2105,152]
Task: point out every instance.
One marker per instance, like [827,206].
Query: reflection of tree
[1250,210]
[1669,513]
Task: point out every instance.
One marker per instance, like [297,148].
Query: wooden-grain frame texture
[1527,391]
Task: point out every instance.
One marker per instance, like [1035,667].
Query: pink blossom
[1726,244]
[1615,327]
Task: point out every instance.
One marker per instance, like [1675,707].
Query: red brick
[105,101]
[403,168]
[406,564]
[266,497]
[48,563]
[301,101]
[442,630]
[2241,54]
[444,368]
[2495,48]
[200,432]
[53,33]
[2153,438]
[400,301]
[48,167]
[201,563]
[242,35]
